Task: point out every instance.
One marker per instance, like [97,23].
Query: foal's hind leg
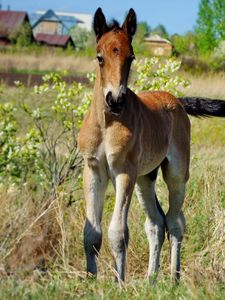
[155,221]
[175,174]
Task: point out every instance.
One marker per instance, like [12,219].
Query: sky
[178,16]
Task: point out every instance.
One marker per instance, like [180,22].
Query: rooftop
[156,38]
[52,39]
[10,21]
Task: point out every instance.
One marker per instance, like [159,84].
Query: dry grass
[208,85]
[48,61]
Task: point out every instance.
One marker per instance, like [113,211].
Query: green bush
[47,151]
[184,44]
[80,37]
[19,155]
[23,37]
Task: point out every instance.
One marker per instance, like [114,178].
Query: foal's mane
[114,25]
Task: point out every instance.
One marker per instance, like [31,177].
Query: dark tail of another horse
[203,107]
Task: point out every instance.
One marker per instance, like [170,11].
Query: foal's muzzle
[115,105]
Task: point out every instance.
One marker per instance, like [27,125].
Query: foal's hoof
[91,276]
[153,279]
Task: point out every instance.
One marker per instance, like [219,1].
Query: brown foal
[125,138]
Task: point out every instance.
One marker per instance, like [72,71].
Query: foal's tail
[203,107]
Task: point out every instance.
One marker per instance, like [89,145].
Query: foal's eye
[100,59]
[116,50]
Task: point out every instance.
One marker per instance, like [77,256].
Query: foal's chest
[110,144]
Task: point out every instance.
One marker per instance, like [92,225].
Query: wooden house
[68,20]
[50,30]
[48,23]
[158,46]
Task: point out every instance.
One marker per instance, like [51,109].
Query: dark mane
[114,25]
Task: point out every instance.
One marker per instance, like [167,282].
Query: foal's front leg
[118,229]
[95,182]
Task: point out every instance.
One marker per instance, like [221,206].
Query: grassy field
[73,63]
[32,231]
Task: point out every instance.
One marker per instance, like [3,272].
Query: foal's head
[114,55]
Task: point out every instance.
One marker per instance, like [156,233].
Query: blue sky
[178,16]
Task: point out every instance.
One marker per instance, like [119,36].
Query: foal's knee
[176,225]
[156,229]
[118,238]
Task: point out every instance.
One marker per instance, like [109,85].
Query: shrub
[48,150]
[23,37]
[158,74]
[18,154]
[80,37]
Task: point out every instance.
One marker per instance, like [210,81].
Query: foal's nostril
[121,98]
[109,99]
[115,105]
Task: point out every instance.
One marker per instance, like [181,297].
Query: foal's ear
[100,26]
[130,23]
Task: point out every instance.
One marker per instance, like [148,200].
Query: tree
[184,44]
[23,37]
[160,30]
[142,31]
[80,36]
[206,39]
[219,18]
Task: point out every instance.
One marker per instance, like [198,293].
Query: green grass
[62,287]
[203,247]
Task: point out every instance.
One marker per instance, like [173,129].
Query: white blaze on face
[116,92]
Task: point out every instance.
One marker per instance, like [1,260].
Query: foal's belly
[148,163]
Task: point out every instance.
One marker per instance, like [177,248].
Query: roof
[10,21]
[157,39]
[53,39]
[70,19]
[85,20]
[47,16]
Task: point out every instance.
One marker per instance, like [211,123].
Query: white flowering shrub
[154,74]
[19,155]
[47,152]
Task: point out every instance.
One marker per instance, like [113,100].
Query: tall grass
[33,230]
[47,62]
[207,85]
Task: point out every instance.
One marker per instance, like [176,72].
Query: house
[54,40]
[48,23]
[50,30]
[67,20]
[158,46]
[11,22]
